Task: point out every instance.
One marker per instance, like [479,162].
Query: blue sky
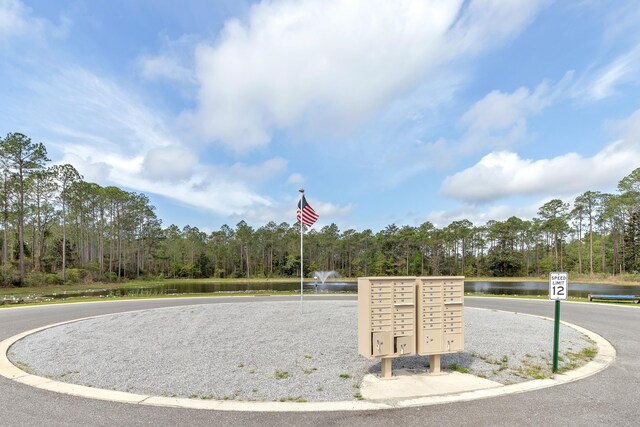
[384,111]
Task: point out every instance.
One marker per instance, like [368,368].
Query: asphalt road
[611,397]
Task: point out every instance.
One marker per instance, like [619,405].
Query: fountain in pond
[322,276]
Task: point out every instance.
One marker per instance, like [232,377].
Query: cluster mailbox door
[401,316]
[386,316]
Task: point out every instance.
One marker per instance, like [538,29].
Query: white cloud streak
[607,80]
[112,137]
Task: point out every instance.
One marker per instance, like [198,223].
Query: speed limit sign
[558,286]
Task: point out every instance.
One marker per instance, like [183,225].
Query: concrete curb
[606,355]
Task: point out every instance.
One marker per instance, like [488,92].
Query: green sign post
[558,290]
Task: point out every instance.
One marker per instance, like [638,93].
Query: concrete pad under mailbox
[406,384]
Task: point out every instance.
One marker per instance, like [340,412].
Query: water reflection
[205,288]
[486,287]
[542,288]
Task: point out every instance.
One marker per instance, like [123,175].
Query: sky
[397,111]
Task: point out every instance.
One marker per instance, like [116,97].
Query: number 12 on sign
[558,286]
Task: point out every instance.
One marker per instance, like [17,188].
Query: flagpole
[301,252]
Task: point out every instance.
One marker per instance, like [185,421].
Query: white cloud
[157,67]
[17,20]
[286,211]
[481,214]
[500,119]
[503,174]
[90,169]
[222,190]
[113,138]
[174,64]
[258,173]
[499,110]
[295,179]
[330,210]
[169,163]
[335,62]
[14,18]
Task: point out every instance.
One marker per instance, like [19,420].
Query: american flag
[306,212]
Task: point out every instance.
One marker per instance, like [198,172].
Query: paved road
[610,398]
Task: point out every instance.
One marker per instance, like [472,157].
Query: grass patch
[345,376]
[282,375]
[458,368]
[572,360]
[24,366]
[530,370]
[307,356]
[298,399]
[66,374]
[358,396]
[589,352]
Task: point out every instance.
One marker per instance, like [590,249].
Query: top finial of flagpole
[301,190]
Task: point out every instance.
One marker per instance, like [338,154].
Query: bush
[110,277]
[9,278]
[42,279]
[75,275]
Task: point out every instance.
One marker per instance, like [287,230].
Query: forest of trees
[111,234]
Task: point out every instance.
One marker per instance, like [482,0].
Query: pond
[487,287]
[581,290]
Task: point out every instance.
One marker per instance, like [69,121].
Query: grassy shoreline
[132,284]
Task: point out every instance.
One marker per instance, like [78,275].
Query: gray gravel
[270,351]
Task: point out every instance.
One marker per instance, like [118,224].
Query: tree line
[57,228]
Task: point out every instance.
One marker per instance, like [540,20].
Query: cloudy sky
[396,111]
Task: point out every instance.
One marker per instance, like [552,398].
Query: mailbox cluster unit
[440,309]
[401,316]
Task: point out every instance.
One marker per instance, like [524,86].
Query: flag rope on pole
[306,216]
[301,246]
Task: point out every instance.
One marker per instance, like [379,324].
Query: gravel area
[270,351]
